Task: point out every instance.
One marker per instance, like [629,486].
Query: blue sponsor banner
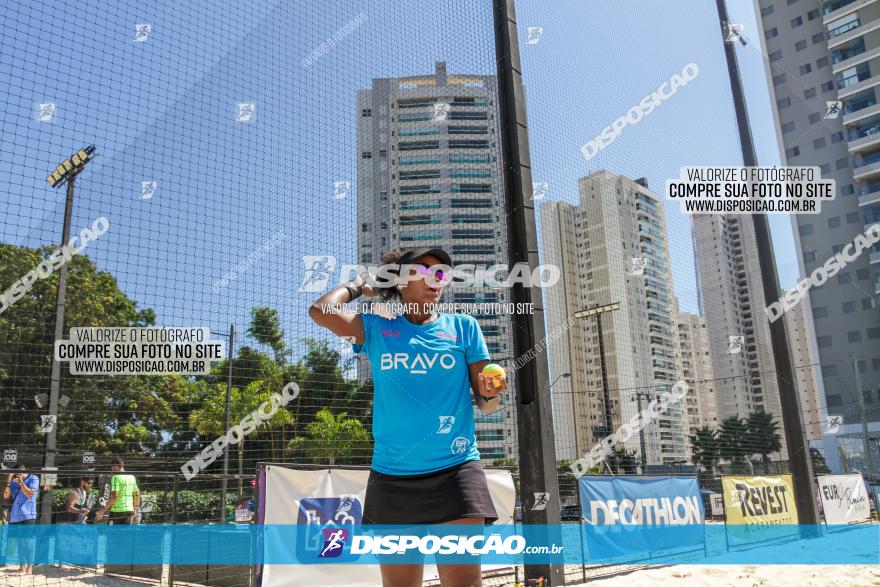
[627,515]
[444,544]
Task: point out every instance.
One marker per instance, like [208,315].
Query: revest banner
[844,499]
[759,500]
[639,514]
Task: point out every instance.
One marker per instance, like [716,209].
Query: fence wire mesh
[249,156]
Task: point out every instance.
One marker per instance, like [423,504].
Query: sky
[164,110]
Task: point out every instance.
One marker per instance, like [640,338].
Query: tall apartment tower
[823,70]
[739,332]
[695,368]
[596,244]
[429,174]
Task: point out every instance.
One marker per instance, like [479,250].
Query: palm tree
[764,434]
[331,437]
[210,418]
[706,448]
[733,437]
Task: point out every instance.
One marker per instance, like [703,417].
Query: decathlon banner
[637,514]
[759,500]
[322,499]
[844,499]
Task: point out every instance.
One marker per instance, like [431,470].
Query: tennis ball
[494,373]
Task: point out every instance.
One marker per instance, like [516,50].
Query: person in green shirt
[124,496]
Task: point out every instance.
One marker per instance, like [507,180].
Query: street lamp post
[66,172]
[606,394]
[642,447]
[574,420]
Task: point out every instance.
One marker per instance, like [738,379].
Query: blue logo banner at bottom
[312,544]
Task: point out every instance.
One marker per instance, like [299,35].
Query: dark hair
[390,258]
[81,479]
[118,461]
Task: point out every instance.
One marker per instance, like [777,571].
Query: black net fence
[197,175]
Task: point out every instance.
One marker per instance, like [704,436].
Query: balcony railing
[865,131]
[870,159]
[857,105]
[837,31]
[871,188]
[829,7]
[863,72]
[839,55]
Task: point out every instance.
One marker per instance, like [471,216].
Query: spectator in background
[21,492]
[124,496]
[78,503]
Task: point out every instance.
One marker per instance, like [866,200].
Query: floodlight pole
[55,381]
[792,420]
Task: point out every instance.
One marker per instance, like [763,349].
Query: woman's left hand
[487,387]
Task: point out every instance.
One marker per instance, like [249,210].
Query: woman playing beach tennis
[426,366]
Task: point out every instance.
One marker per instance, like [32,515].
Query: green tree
[733,436]
[210,418]
[265,328]
[120,414]
[820,467]
[764,434]
[706,448]
[332,437]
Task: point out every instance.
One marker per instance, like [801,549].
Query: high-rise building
[739,333]
[612,248]
[823,71]
[429,174]
[695,368]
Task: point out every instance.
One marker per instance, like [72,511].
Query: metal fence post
[175,489]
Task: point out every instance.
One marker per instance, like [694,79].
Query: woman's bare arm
[327,311]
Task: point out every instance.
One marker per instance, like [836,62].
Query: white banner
[844,499]
[337,496]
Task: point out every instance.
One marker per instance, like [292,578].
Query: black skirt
[431,498]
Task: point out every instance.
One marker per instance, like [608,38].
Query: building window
[805,69]
[848,190]
[767,10]
[788,127]
[834,400]
[849,307]
[844,277]
[828,87]
[800,45]
[815,117]
[867,304]
[834,222]
[873,333]
[842,163]
[778,79]
[775,56]
[793,151]
[366,155]
[819,143]
[818,38]
[813,14]
[825,168]
[810,257]
[823,341]
[837,137]
[810,93]
[820,312]
[852,218]
[805,229]
[797,21]
[862,274]
[366,112]
[854,336]
[822,62]
[790,2]
[783,103]
[829,370]
[770,33]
